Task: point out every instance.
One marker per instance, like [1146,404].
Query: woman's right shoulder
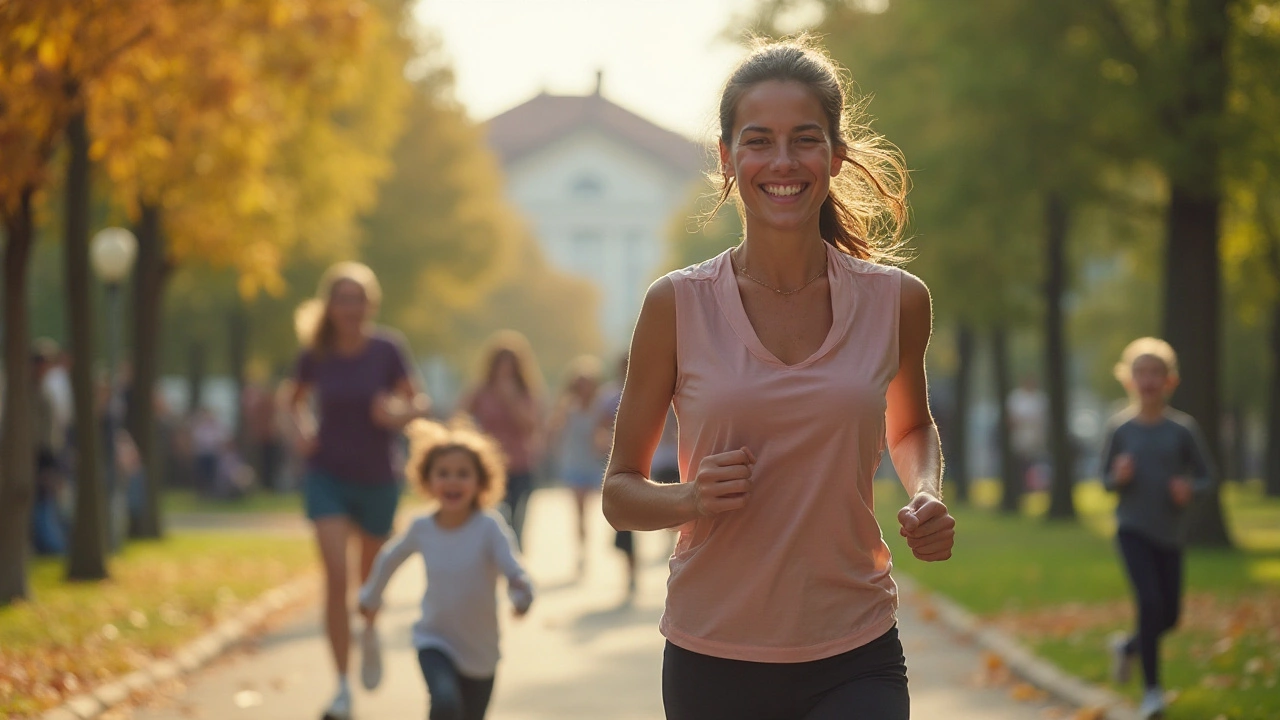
[661,296]
[703,271]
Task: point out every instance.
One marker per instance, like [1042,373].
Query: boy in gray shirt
[1155,461]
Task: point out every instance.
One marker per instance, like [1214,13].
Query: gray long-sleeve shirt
[460,607]
[1161,451]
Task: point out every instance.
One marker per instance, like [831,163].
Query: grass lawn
[71,636]
[259,501]
[1061,589]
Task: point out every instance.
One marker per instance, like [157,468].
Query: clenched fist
[928,527]
[723,482]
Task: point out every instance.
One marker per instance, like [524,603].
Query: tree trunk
[1238,465]
[1191,310]
[1192,291]
[1061,451]
[958,463]
[87,558]
[149,278]
[1272,469]
[1011,480]
[17,447]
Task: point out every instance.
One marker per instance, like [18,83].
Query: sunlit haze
[663,59]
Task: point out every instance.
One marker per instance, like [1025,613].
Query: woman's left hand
[928,527]
[393,411]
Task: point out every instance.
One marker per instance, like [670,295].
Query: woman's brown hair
[865,213]
[311,320]
[428,441]
[512,344]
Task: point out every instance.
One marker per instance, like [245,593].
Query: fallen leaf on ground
[1025,692]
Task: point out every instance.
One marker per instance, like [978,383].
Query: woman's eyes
[803,140]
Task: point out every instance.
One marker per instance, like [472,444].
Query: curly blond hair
[428,441]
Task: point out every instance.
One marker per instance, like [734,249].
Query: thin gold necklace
[742,269]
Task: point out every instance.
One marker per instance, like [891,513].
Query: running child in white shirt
[465,546]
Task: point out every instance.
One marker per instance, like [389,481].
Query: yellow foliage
[253,125]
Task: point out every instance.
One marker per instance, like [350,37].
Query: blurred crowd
[549,438]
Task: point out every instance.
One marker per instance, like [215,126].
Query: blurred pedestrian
[572,433]
[1156,462]
[1029,421]
[507,404]
[794,360]
[263,432]
[364,391]
[209,439]
[48,533]
[465,546]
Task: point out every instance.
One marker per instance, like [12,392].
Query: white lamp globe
[112,252]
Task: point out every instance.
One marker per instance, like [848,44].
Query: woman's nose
[783,157]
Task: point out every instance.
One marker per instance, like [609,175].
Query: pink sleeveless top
[802,572]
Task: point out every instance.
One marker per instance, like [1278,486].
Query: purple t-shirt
[350,447]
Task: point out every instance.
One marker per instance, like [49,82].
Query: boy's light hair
[429,440]
[1143,347]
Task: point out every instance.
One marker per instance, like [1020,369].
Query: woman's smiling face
[781,155]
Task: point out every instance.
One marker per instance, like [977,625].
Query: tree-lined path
[581,653]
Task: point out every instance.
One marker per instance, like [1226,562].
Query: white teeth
[783,190]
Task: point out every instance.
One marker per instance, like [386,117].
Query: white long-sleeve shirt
[460,607]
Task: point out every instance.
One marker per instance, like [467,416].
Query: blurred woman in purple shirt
[354,391]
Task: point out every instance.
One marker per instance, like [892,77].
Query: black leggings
[1156,574]
[516,502]
[866,683]
[453,695]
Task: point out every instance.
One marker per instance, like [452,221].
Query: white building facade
[600,187]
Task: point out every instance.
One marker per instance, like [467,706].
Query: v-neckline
[735,312]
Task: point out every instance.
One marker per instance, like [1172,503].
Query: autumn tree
[50,52]
[244,133]
[231,133]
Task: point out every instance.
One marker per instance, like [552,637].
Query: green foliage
[695,235]
[998,101]
[442,233]
[556,312]
[1061,589]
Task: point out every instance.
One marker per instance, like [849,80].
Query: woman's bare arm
[913,438]
[632,501]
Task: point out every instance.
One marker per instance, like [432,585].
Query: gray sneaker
[370,658]
[1121,659]
[340,708]
[1152,704]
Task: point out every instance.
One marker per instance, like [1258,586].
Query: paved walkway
[580,654]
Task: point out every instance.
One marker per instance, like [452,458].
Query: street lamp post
[112,251]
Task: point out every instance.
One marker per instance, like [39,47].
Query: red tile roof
[547,118]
